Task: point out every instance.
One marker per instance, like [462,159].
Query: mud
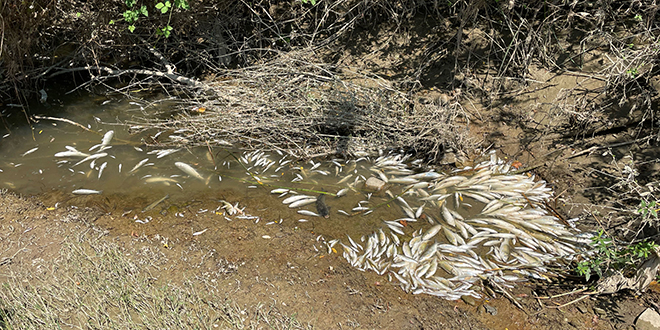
[254,263]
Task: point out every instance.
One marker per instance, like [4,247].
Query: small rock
[490,309]
[648,320]
[469,300]
[374,184]
[481,309]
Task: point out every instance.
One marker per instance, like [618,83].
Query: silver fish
[91,157]
[107,137]
[29,151]
[166,152]
[102,168]
[188,170]
[309,213]
[404,180]
[202,232]
[303,202]
[142,162]
[448,216]
[296,198]
[85,192]
[71,153]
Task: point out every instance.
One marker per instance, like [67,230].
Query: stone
[648,320]
[374,184]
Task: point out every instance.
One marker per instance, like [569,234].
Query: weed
[132,14]
[607,256]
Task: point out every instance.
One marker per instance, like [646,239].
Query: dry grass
[94,285]
[297,105]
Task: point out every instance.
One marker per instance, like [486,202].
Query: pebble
[648,320]
[490,309]
[374,184]
[469,300]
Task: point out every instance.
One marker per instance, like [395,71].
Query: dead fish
[162,153]
[200,232]
[102,168]
[160,179]
[71,153]
[107,137]
[85,192]
[302,202]
[404,180]
[189,170]
[29,151]
[321,207]
[432,232]
[419,211]
[91,157]
[142,162]
[154,204]
[342,192]
[309,213]
[295,198]
[448,216]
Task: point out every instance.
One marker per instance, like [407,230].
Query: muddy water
[29,166]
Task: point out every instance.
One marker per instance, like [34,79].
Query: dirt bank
[246,274]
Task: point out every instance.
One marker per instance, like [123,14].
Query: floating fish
[302,202]
[101,168]
[309,213]
[189,170]
[107,137]
[29,151]
[91,157]
[296,198]
[71,153]
[135,168]
[160,179]
[85,192]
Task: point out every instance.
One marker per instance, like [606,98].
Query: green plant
[648,210]
[313,2]
[132,15]
[608,256]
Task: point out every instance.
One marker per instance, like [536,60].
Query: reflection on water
[435,233]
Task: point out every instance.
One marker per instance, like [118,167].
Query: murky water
[435,233]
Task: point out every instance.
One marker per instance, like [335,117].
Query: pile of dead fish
[455,229]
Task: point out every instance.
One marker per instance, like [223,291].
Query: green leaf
[130,16]
[164,7]
[112,21]
[78,14]
[143,11]
[131,28]
[130,3]
[183,4]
